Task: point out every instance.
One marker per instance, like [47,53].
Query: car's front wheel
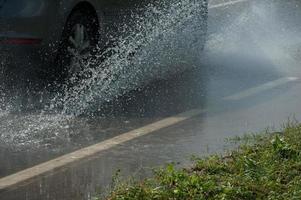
[78,43]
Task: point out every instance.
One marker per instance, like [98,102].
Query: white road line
[260,89]
[227,4]
[27,175]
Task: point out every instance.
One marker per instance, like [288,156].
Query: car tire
[78,43]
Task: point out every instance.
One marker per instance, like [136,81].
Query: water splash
[166,39]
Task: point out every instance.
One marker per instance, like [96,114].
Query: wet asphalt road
[248,81]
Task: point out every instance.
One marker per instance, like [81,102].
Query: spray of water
[167,35]
[266,29]
[167,38]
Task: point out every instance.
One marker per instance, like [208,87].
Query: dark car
[48,34]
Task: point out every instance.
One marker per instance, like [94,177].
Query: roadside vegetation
[268,168]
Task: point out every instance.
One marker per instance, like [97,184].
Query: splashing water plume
[162,38]
[166,38]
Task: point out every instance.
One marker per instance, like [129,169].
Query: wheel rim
[79,47]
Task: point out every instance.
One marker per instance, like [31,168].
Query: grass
[269,169]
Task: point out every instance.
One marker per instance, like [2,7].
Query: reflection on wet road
[249,80]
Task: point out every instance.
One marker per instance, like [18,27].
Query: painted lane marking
[29,174]
[259,89]
[226,4]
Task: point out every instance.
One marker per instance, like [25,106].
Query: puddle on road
[158,100]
